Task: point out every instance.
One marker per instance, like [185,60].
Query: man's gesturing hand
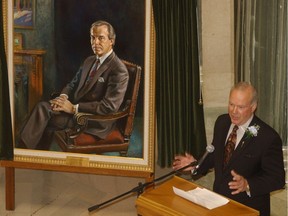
[239,183]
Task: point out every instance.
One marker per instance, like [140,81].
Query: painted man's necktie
[93,71]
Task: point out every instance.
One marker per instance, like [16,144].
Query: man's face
[240,108]
[100,42]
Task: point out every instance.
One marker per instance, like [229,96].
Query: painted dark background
[62,29]
[73,19]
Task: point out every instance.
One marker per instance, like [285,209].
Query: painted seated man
[98,87]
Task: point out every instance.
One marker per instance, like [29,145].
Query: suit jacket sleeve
[71,87]
[269,174]
[209,162]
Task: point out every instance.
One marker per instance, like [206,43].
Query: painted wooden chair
[76,140]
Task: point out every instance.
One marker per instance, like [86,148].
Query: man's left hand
[239,183]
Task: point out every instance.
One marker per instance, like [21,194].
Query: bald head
[249,88]
[242,103]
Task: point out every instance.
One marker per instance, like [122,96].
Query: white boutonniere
[252,131]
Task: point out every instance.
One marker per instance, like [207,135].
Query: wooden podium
[163,201]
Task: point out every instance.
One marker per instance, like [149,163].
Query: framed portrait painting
[51,55]
[24,13]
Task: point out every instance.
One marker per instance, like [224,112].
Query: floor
[41,193]
[47,193]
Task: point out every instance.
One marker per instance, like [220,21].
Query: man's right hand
[61,103]
[183,160]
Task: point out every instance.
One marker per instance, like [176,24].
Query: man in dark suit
[98,87]
[256,166]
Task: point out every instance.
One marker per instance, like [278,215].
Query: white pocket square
[101,79]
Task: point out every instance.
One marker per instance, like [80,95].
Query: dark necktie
[93,71]
[230,146]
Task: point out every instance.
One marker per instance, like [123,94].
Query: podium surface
[163,201]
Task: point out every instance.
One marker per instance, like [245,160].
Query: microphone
[209,149]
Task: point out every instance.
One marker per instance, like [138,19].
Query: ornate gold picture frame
[102,164]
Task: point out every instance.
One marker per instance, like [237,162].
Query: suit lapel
[244,142]
[103,67]
[106,64]
[240,148]
[85,71]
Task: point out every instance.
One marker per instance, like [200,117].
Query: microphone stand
[139,189]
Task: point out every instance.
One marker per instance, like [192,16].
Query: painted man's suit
[259,159]
[102,95]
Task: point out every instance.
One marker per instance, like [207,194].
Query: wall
[41,37]
[217,58]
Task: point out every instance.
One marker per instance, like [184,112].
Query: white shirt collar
[241,132]
[102,58]
[244,126]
